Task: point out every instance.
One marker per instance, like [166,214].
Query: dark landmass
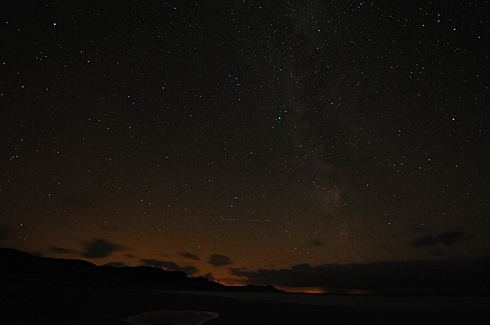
[23,271]
[456,276]
[35,290]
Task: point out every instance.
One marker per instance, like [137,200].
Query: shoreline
[107,307]
[414,303]
[176,317]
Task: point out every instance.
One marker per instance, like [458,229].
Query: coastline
[415,303]
[108,307]
[176,317]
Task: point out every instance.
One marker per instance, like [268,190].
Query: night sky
[223,137]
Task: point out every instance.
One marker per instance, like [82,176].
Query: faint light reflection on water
[472,304]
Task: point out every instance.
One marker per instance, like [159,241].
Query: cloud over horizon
[100,248]
[317,243]
[445,238]
[170,266]
[115,264]
[209,276]
[190,256]
[61,250]
[421,276]
[219,260]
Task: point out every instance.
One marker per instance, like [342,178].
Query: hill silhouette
[35,290]
[25,272]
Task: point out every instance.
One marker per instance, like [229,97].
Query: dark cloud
[209,276]
[424,241]
[6,231]
[190,255]
[100,248]
[170,266]
[317,242]
[451,238]
[129,255]
[36,253]
[61,250]
[115,264]
[424,276]
[219,260]
[446,238]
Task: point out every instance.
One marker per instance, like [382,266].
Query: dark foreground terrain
[112,307]
[37,290]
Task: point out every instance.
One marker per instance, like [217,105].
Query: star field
[210,137]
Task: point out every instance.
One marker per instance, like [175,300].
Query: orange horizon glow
[302,289]
[324,290]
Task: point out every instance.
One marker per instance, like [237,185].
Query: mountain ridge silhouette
[23,271]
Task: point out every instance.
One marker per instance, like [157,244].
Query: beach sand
[176,317]
[105,307]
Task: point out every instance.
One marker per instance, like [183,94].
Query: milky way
[222,138]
